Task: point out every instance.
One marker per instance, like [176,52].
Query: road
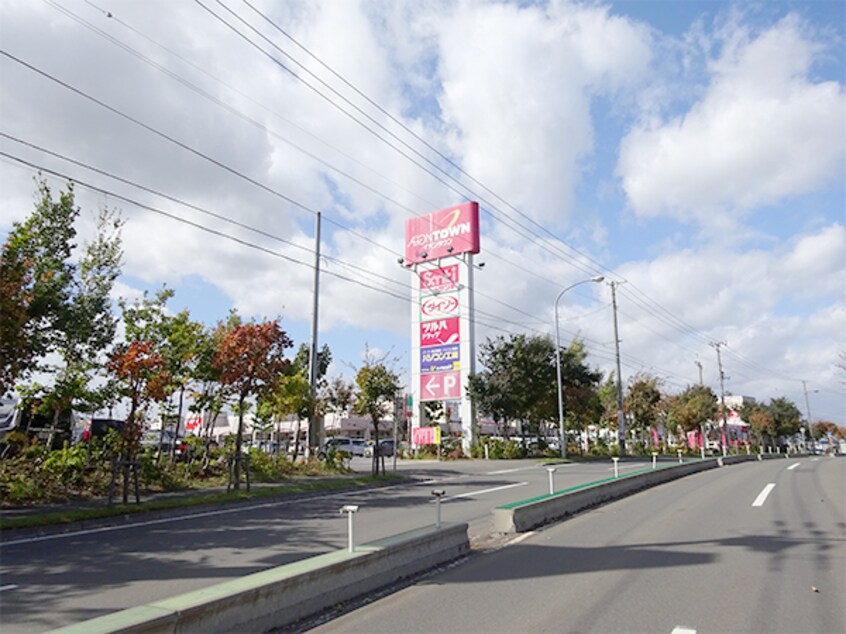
[57,580]
[756,547]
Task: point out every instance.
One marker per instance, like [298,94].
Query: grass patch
[191,499]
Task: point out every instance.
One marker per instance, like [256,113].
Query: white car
[353,446]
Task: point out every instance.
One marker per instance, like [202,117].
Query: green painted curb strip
[587,485]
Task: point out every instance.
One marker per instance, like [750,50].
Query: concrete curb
[286,594]
[525,515]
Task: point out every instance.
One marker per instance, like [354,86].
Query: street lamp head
[598,279]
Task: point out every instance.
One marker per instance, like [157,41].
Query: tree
[580,386]
[250,358]
[760,421]
[339,396]
[58,306]
[376,388]
[290,395]
[643,400]
[787,418]
[35,279]
[690,409]
[520,360]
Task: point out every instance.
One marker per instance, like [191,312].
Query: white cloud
[763,131]
[516,92]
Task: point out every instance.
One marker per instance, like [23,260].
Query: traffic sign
[440,386]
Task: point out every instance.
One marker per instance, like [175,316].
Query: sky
[692,152]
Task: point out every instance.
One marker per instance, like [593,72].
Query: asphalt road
[756,547]
[52,581]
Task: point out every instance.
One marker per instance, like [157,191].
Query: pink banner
[441,233]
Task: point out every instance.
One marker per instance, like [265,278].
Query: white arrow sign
[441,386]
[432,386]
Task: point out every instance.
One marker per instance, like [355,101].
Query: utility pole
[702,440]
[621,417]
[313,422]
[808,409]
[724,437]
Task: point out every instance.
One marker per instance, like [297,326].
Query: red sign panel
[443,386]
[439,332]
[439,280]
[441,233]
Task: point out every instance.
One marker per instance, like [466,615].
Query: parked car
[169,441]
[386,448]
[99,427]
[10,415]
[353,446]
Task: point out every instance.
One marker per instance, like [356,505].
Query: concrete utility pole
[313,421]
[724,436]
[808,409]
[621,417]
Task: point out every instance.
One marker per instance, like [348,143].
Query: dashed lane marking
[482,492]
[793,466]
[762,496]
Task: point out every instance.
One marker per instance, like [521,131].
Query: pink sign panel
[443,386]
[426,435]
[439,332]
[450,231]
[439,306]
[439,280]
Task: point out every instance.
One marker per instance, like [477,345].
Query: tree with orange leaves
[249,358]
[141,374]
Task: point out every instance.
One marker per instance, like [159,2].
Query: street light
[563,440]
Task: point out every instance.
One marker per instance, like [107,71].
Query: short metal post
[350,509]
[616,470]
[550,471]
[486,451]
[654,459]
[680,456]
[438,493]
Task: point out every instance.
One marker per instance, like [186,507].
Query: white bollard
[680,456]
[438,493]
[486,451]
[616,470]
[550,471]
[350,509]
[654,460]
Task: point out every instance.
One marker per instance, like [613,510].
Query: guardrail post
[350,510]
[616,470]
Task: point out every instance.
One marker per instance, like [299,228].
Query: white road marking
[678,629]
[520,538]
[793,466]
[762,496]
[482,492]
[9,587]
[177,518]
[501,471]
